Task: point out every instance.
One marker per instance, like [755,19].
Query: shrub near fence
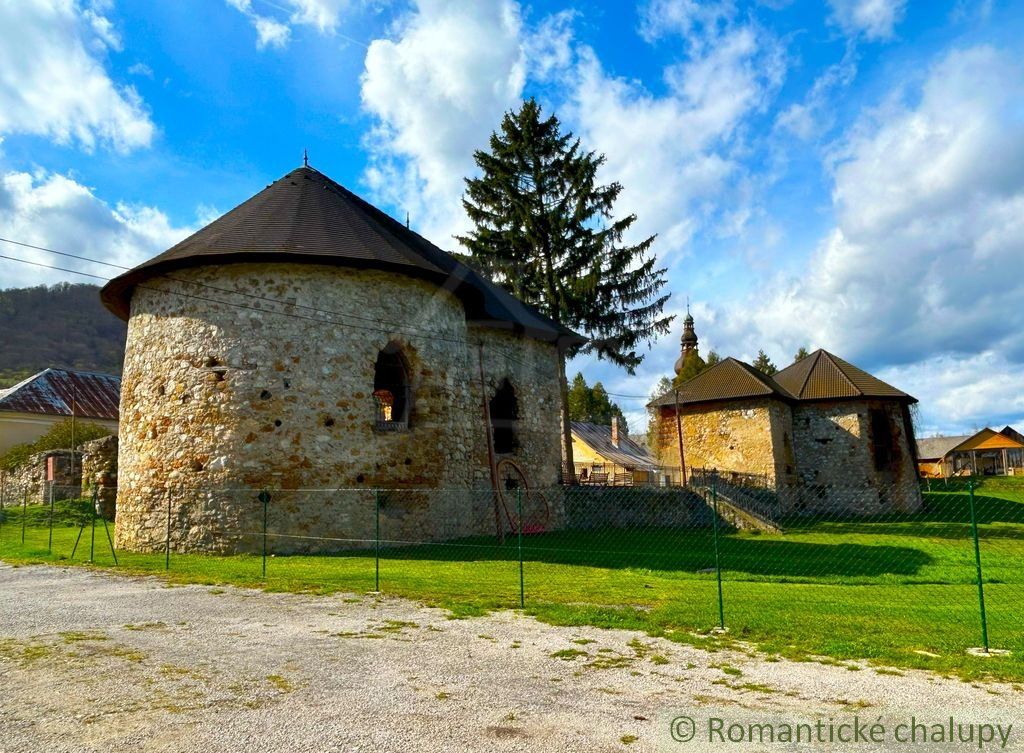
[905,589]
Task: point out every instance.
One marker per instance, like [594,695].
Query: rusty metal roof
[62,392]
[730,379]
[629,454]
[824,376]
[307,218]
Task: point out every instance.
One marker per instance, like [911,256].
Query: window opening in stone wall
[883,440]
[391,391]
[504,418]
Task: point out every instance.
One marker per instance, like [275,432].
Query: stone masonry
[220,401]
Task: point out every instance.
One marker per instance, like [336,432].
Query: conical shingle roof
[305,217]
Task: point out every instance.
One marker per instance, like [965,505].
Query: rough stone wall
[99,473]
[835,461]
[219,401]
[742,436]
[30,479]
[817,457]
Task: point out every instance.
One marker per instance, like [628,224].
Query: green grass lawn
[899,591]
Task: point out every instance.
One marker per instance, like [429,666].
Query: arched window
[391,389]
[504,417]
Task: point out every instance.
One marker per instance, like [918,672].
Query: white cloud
[926,260]
[437,89]
[141,69]
[963,394]
[815,115]
[692,19]
[874,19]
[55,211]
[53,84]
[674,153]
[324,15]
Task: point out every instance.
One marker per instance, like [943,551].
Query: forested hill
[62,325]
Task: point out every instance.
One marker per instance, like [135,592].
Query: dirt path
[95,662]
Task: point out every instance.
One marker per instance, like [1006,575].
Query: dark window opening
[883,440]
[504,417]
[391,392]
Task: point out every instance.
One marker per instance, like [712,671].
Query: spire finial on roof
[407,220]
[305,158]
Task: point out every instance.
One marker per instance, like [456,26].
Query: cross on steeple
[305,158]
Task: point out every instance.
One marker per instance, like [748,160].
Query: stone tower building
[822,434]
[307,340]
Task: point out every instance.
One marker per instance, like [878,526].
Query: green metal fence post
[106,529]
[167,542]
[977,562]
[264,497]
[376,541]
[49,540]
[92,537]
[24,515]
[519,516]
[718,560]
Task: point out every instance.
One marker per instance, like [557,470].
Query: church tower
[688,342]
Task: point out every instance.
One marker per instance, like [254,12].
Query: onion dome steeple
[688,342]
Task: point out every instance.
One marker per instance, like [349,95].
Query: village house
[29,409]
[307,340]
[984,453]
[608,456]
[820,436]
[32,407]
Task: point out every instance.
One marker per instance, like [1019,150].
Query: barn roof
[936,448]
[824,376]
[62,392]
[305,217]
[730,379]
[629,454]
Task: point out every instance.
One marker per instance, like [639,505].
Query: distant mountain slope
[61,325]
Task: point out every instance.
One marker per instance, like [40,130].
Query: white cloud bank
[53,82]
[437,89]
[924,269]
[55,211]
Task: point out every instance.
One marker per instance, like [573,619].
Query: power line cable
[380,329]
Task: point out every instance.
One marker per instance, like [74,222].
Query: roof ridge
[807,377]
[842,372]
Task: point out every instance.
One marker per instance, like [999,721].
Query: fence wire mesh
[891,574]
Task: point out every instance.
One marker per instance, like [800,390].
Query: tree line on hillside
[62,325]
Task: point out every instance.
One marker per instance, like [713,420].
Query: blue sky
[845,174]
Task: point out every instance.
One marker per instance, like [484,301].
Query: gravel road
[97,662]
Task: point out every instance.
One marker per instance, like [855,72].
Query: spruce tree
[544,229]
[764,364]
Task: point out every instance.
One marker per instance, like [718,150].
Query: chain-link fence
[902,575]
